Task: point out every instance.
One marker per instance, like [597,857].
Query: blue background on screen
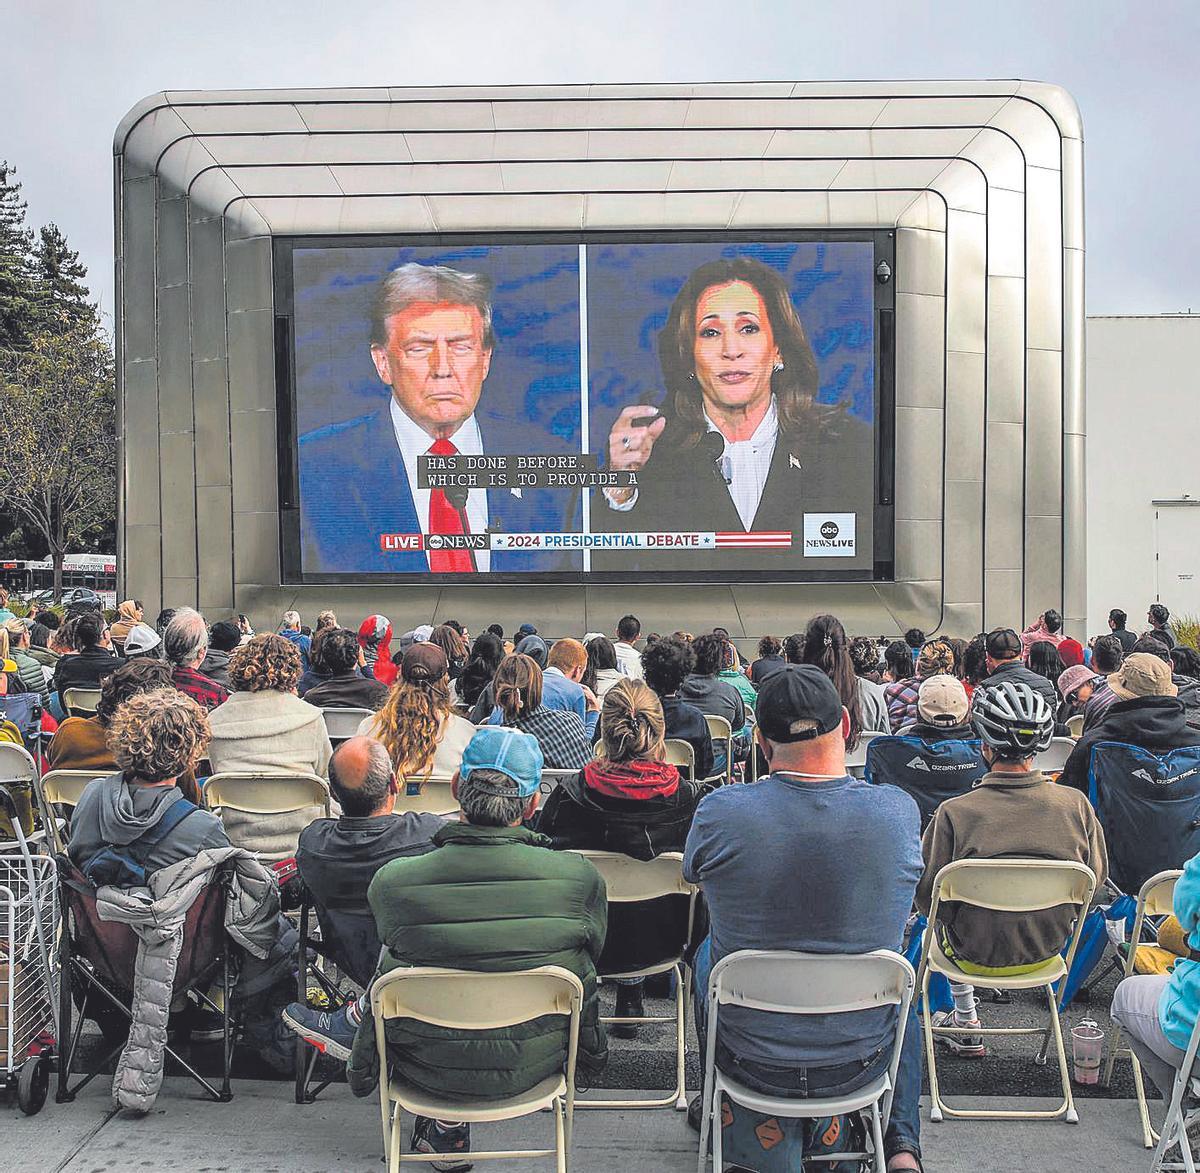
[631,287]
[534,377]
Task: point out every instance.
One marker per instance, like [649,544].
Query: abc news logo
[405,543]
[829,535]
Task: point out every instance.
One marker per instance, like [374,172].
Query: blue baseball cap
[510,752]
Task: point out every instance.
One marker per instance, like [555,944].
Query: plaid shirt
[901,700]
[205,692]
[561,735]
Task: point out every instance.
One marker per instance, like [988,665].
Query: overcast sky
[74,67]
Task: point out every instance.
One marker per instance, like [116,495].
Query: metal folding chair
[427,795]
[680,753]
[783,982]
[856,759]
[342,724]
[1012,886]
[635,881]
[1155,899]
[468,1001]
[1052,759]
[81,702]
[1178,1118]
[266,795]
[59,791]
[720,730]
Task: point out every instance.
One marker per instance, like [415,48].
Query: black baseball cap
[1002,643]
[797,693]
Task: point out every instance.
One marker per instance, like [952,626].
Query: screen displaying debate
[680,409]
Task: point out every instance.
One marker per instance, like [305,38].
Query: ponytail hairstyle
[412,719]
[825,647]
[518,686]
[632,724]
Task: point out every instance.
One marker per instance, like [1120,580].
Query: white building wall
[1143,445]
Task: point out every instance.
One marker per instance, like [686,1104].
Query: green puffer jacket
[492,899]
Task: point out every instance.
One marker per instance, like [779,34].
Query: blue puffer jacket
[1181,1000]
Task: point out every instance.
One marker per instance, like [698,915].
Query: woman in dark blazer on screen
[739,442]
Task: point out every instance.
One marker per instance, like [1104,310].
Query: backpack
[125,866]
[929,771]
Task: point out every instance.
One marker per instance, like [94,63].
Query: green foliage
[1186,629]
[58,276]
[58,462]
[18,303]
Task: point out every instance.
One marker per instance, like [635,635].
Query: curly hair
[157,735]
[631,723]
[666,663]
[410,724]
[266,662]
[769,645]
[864,655]
[518,686]
[130,679]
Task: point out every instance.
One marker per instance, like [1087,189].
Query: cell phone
[643,421]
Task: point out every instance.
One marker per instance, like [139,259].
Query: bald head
[362,779]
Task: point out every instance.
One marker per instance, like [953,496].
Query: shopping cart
[28,973]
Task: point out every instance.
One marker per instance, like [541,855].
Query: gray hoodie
[717,698]
[535,648]
[111,814]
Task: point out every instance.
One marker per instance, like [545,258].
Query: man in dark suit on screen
[432,344]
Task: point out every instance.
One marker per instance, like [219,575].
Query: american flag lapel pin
[793,462]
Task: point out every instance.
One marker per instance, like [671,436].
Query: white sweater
[268,733]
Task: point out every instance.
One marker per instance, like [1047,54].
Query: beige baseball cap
[1142,674]
[942,700]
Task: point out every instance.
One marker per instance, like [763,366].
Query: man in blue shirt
[813,860]
[290,629]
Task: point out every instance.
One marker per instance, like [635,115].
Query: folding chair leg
[226,1040]
[680,1040]
[1149,1136]
[877,1139]
[66,1008]
[705,1129]
[935,1099]
[1111,1061]
[560,1138]
[1070,1114]
[718,1153]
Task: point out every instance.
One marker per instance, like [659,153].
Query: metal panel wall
[982,183]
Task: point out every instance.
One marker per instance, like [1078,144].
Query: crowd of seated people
[490,715]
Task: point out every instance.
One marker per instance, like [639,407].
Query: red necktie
[445,519]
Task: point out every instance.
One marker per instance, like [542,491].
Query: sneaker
[332,1034]
[205,1025]
[629,1005]
[432,1136]
[964,1046]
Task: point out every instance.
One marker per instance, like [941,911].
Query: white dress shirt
[744,465]
[414,441]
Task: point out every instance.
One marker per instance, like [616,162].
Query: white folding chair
[56,790]
[783,982]
[680,753]
[264,795]
[1011,886]
[17,765]
[552,778]
[342,724]
[431,796]
[634,881]
[720,730]
[856,759]
[1052,759]
[1155,899]
[467,1001]
[80,702]
[1075,726]
[1178,1118]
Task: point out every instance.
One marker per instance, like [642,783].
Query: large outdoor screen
[595,408]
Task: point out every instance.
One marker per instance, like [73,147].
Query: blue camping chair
[930,771]
[1149,807]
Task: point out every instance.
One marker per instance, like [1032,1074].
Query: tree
[58,276]
[58,461]
[18,299]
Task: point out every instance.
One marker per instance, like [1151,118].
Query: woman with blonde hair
[631,801]
[562,735]
[423,737]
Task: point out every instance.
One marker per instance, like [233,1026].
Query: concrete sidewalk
[263,1131]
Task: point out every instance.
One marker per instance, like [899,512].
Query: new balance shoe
[331,1034]
[432,1136]
[964,1046]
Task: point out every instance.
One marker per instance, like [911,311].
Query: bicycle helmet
[1013,719]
